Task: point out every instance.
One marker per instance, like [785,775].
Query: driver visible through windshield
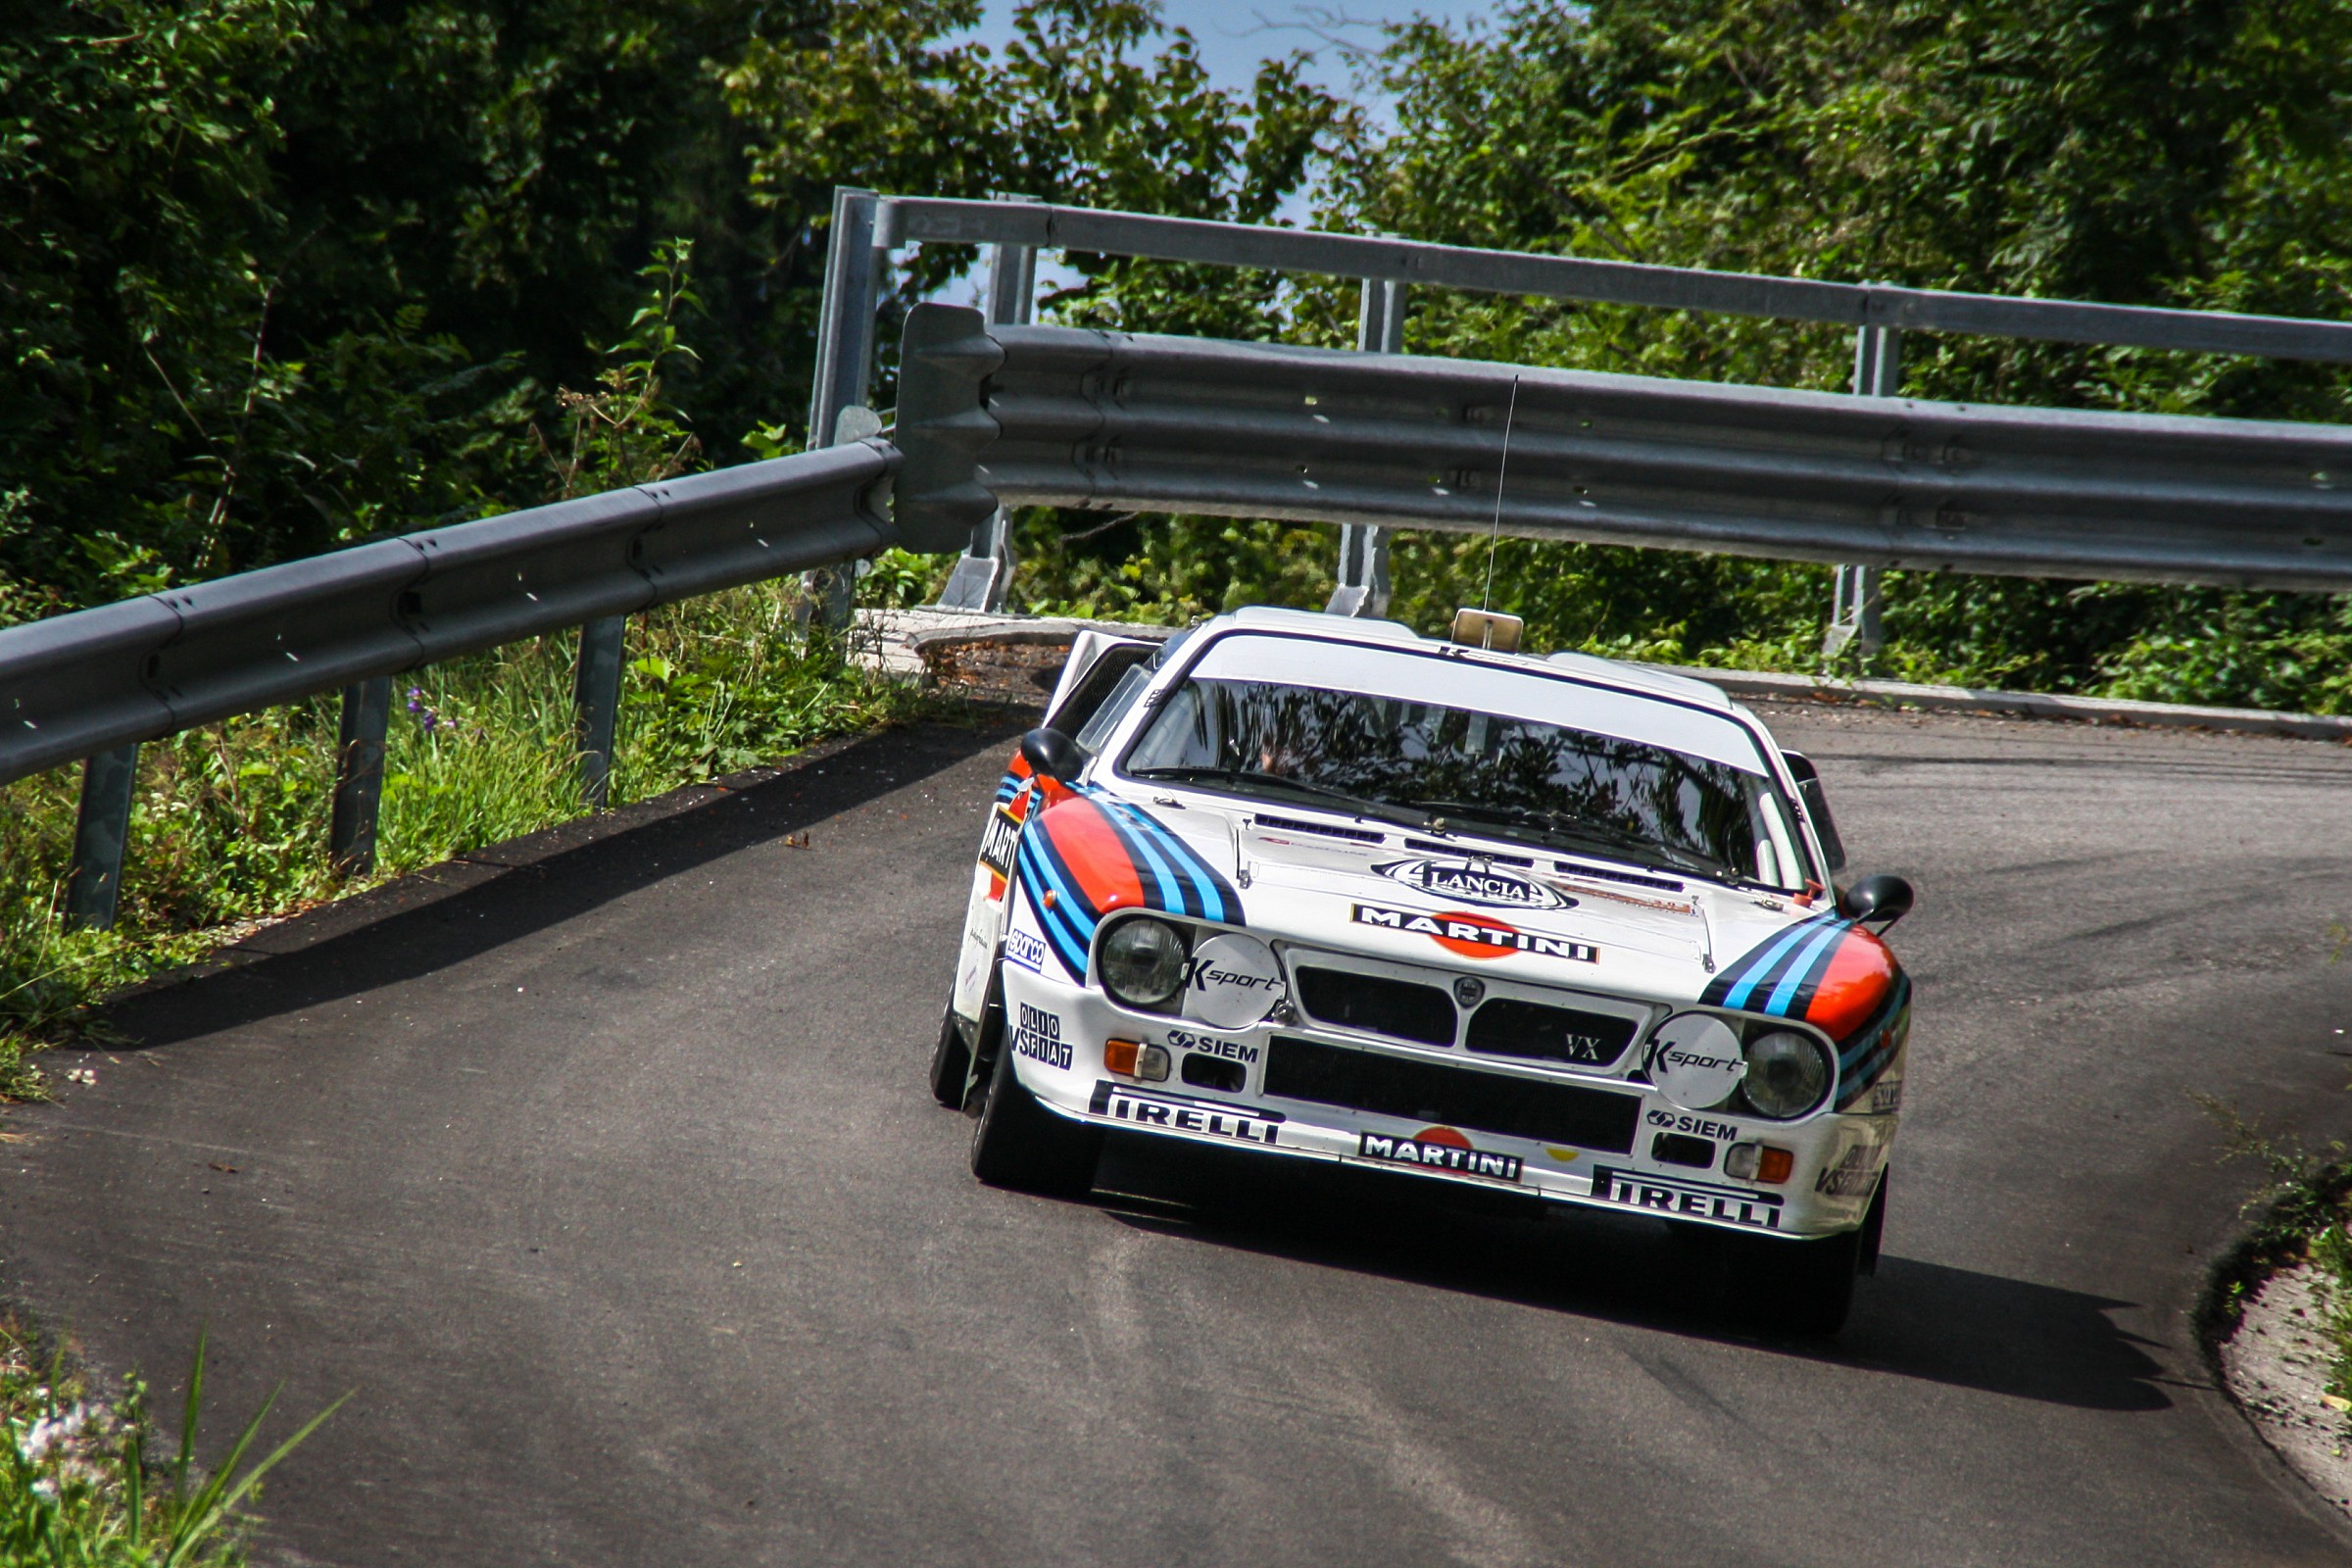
[1435,766]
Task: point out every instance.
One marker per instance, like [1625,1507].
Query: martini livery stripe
[1068,924]
[1016,774]
[1831,974]
[1087,855]
[1862,1059]
[1189,884]
[1750,981]
[1014,804]
[1825,970]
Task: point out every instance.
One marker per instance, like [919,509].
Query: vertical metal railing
[101,832]
[1363,586]
[1858,600]
[845,366]
[359,775]
[983,578]
[595,704]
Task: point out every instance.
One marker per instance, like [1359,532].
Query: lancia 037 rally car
[1323,889]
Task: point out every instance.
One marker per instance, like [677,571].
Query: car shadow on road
[446,913]
[1913,1319]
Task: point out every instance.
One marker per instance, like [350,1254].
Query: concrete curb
[2018,705]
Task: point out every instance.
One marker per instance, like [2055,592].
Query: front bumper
[1575,1138]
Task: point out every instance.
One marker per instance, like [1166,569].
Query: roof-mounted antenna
[1483,627]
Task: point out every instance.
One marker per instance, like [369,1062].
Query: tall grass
[230,822]
[79,1487]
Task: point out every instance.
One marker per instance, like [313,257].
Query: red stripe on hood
[1859,977]
[1089,847]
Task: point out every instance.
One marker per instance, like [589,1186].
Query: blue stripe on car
[1793,977]
[1069,923]
[1765,963]
[1213,898]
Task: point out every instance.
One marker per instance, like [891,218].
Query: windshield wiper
[1354,805]
[1645,852]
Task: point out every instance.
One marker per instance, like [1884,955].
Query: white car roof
[1575,689]
[1585,666]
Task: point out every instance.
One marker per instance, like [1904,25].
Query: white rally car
[1323,889]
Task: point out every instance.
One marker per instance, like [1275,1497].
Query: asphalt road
[610,1182]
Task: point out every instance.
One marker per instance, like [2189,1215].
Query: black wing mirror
[1053,755]
[1881,899]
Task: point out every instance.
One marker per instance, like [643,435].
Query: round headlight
[1788,1073]
[1143,962]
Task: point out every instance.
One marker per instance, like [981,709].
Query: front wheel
[1019,1142]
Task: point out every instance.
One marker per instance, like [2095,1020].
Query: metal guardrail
[1878,314]
[906,220]
[98,682]
[1109,420]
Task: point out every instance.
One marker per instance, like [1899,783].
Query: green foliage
[1167,571]
[2050,147]
[624,432]
[283,276]
[2081,148]
[1077,110]
[79,1485]
[160,420]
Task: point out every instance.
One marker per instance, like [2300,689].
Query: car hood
[1480,906]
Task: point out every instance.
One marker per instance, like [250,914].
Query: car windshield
[1443,767]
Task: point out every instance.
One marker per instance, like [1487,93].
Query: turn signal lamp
[1759,1163]
[1132,1059]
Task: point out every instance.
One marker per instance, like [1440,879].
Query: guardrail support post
[845,364]
[1363,586]
[1857,600]
[983,577]
[359,775]
[595,704]
[100,835]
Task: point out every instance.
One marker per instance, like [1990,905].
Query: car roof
[1633,679]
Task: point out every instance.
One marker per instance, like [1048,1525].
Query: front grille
[1441,1094]
[1508,1028]
[1378,1006]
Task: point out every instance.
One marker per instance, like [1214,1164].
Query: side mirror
[1882,898]
[1053,755]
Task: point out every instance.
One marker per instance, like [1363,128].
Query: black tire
[1873,1228]
[1801,1287]
[1019,1144]
[950,1062]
